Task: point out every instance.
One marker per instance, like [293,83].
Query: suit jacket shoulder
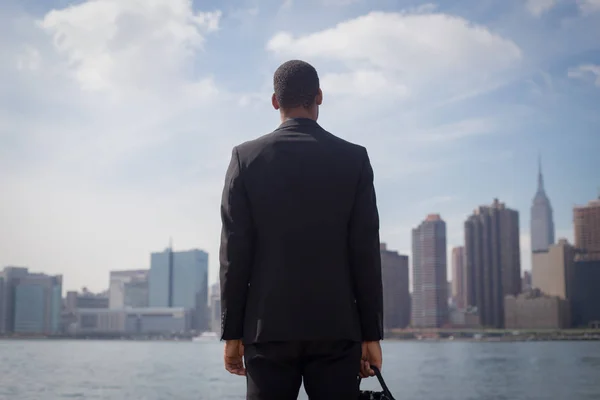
[353,147]
[250,149]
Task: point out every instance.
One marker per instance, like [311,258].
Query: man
[300,258]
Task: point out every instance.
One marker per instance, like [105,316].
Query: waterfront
[42,369]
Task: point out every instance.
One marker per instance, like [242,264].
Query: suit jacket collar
[296,122]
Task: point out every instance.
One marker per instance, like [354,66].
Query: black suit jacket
[300,254]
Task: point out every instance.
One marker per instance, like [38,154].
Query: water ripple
[34,370]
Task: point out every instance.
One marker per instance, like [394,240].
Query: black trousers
[275,371]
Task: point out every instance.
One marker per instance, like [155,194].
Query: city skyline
[174,296]
[450,271]
[115,138]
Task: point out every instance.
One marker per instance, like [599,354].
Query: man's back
[301,184]
[300,264]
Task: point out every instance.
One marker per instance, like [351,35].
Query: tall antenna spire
[540,176]
[171,243]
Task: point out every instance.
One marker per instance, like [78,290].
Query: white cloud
[29,59]
[362,83]
[403,65]
[412,50]
[585,72]
[115,45]
[539,7]
[131,65]
[589,6]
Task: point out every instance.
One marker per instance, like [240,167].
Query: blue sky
[117,117]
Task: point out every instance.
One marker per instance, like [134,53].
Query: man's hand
[371,355]
[234,357]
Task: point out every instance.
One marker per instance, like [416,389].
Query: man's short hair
[296,84]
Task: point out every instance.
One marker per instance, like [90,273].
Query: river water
[45,370]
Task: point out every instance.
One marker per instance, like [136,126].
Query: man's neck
[292,114]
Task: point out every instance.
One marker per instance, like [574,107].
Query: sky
[118,117]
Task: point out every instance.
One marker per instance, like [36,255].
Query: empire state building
[542,221]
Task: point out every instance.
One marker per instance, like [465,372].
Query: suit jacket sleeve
[236,251]
[365,256]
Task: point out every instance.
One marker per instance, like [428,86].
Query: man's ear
[319,98]
[275,102]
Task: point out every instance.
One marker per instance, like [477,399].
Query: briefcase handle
[385,388]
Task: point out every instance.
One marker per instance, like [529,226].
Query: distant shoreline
[486,336]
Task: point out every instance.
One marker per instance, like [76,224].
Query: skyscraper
[7,302]
[459,278]
[38,303]
[160,291]
[584,295]
[492,253]
[180,279]
[585,278]
[586,221]
[430,290]
[396,301]
[542,221]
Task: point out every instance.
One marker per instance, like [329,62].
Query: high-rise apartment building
[180,279]
[459,278]
[396,300]
[542,220]
[584,295]
[7,301]
[492,254]
[37,304]
[586,221]
[430,290]
[128,289]
[584,281]
[551,269]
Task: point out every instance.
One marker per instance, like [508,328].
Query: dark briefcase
[370,395]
